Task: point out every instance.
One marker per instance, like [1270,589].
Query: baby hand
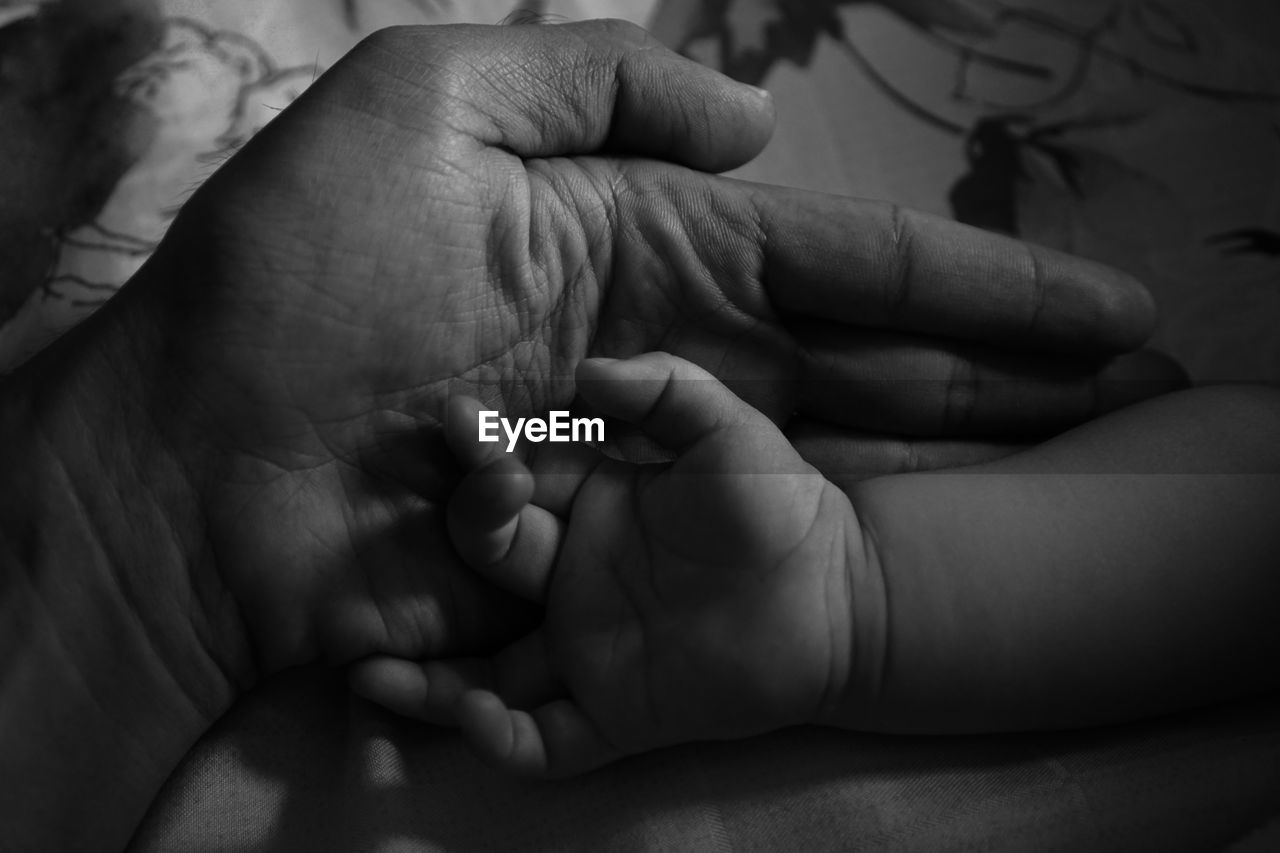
[706,598]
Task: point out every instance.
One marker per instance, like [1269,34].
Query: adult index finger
[875,264]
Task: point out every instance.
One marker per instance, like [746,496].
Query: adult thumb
[593,87]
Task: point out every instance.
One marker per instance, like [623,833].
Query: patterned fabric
[1142,133]
[118,109]
[1139,132]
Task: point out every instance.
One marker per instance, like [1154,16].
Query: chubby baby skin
[711,597]
[1121,570]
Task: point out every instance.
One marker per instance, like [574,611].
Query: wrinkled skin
[236,465]
[476,209]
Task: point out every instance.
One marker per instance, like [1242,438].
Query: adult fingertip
[760,115]
[1131,308]
[1111,308]
[689,113]
[1081,305]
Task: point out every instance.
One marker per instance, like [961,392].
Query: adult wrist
[120,649]
[104,494]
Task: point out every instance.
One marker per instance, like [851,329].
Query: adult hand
[235,466]
[486,207]
[482,208]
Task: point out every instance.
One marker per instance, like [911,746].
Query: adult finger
[890,383]
[873,264]
[846,457]
[542,91]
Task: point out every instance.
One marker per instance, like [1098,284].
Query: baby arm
[705,598]
[1127,568]
[1121,570]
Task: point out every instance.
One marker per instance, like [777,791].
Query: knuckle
[897,294]
[1039,287]
[388,41]
[960,398]
[623,31]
